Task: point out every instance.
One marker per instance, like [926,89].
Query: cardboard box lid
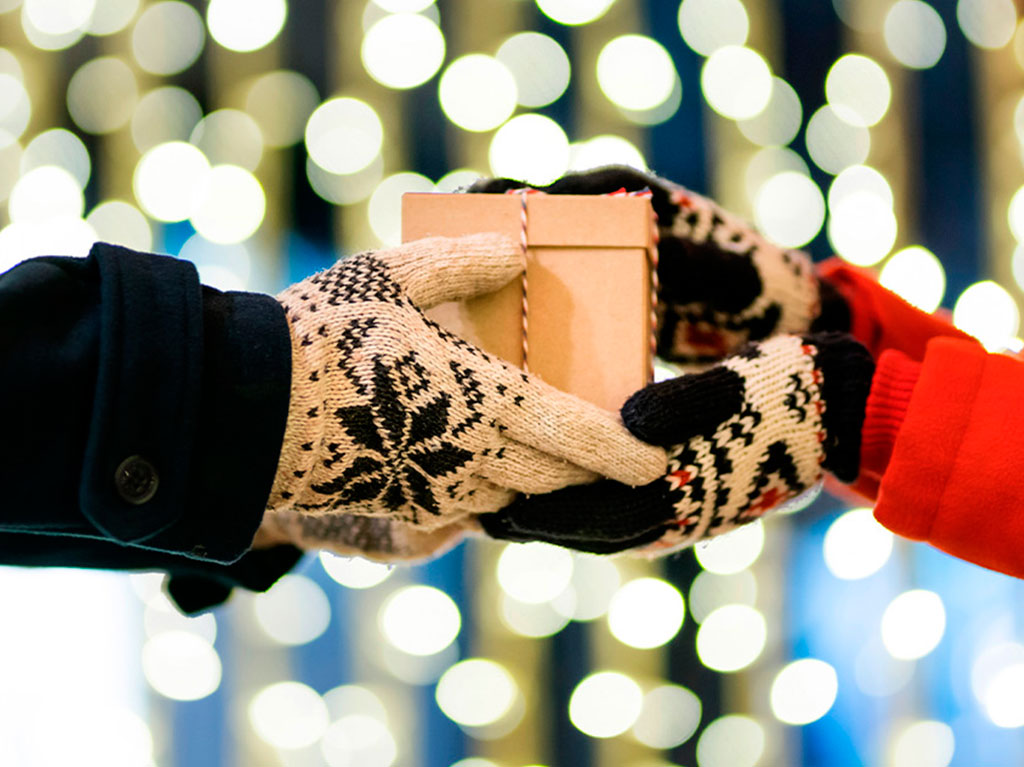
[553,220]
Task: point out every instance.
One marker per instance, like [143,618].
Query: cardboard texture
[588,286]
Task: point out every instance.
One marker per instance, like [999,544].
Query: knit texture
[392,416]
[746,436]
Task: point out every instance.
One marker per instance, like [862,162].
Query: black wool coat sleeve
[141,420]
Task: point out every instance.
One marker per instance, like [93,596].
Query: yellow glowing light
[862,228]
[987,23]
[225,267]
[420,620]
[353,699]
[403,6]
[167,179]
[229,137]
[646,613]
[670,716]
[64,236]
[915,34]
[635,72]
[46,192]
[58,17]
[531,148]
[1015,214]
[605,704]
[281,103]
[707,25]
[102,95]
[913,624]
[917,276]
[660,113]
[10,168]
[403,50]
[858,89]
[457,179]
[476,692]
[834,143]
[344,135]
[539,65]
[926,744]
[732,552]
[531,620]
[354,572]
[357,739]
[168,37]
[1002,699]
[385,208]
[164,114]
[731,638]
[228,205]
[605,150]
[181,665]
[767,163]
[15,109]
[348,188]
[731,741]
[112,16]
[856,546]
[61,148]
[595,580]
[288,715]
[710,591]
[990,663]
[534,572]
[162,616]
[574,12]
[779,122]
[859,178]
[477,92]
[245,25]
[789,209]
[804,691]
[737,82]
[121,223]
[295,611]
[989,313]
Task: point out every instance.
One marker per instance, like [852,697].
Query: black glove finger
[705,273]
[601,518]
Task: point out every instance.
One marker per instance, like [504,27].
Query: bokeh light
[804,691]
[294,611]
[707,25]
[167,179]
[531,620]
[731,741]
[924,744]
[646,613]
[856,179]
[534,572]
[531,148]
[862,228]
[768,162]
[229,137]
[736,82]
[403,50]
[1002,700]
[223,266]
[635,72]
[856,546]
[915,34]
[858,89]
[731,638]
[15,108]
[669,717]
[58,17]
[709,591]
[229,205]
[121,223]
[605,704]
[288,715]
[168,37]
[345,188]
[47,192]
[916,275]
[354,572]
[987,23]
[419,620]
[181,665]
[835,143]
[913,624]
[358,739]
[164,114]
[789,209]
[102,95]
[344,135]
[385,207]
[989,313]
[574,12]
[477,92]
[61,148]
[476,692]
[281,102]
[111,16]
[779,123]
[605,150]
[732,552]
[245,25]
[539,65]
[595,581]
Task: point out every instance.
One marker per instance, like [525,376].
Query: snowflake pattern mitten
[745,436]
[393,417]
[722,283]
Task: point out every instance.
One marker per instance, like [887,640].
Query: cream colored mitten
[391,416]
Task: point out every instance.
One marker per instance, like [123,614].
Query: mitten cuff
[887,405]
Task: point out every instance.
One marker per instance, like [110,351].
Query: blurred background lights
[121,223]
[47,192]
[858,89]
[707,25]
[731,741]
[859,178]
[916,275]
[476,692]
[245,25]
[229,205]
[181,665]
[635,72]
[539,65]
[229,137]
[457,179]
[345,188]
[531,620]
[288,715]
[804,691]
[660,113]
[989,313]
[294,611]
[1002,699]
[162,616]
[731,638]
[225,267]
[420,620]
[58,17]
[110,16]
[531,148]
[646,613]
[1015,214]
[167,179]
[736,550]
[709,591]
[357,739]
[61,148]
[574,12]
[605,704]
[403,50]
[605,150]
[779,122]
[789,209]
[737,82]
[862,228]
[354,572]
[164,114]
[15,109]
[168,37]
[349,699]
[10,168]
[343,135]
[102,95]
[669,717]
[281,102]
[403,6]
[835,143]
[987,23]
[913,624]
[877,673]
[385,208]
[90,736]
[924,744]
[915,34]
[856,546]
[534,572]
[768,162]
[51,41]
[477,92]
[595,580]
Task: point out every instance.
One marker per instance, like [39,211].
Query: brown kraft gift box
[588,278]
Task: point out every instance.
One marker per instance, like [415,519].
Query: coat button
[136,480]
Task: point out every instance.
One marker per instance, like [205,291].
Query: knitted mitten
[392,416]
[746,436]
[722,283]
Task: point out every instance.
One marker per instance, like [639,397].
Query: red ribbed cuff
[891,388]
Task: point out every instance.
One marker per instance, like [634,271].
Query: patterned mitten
[722,283]
[392,416]
[746,436]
